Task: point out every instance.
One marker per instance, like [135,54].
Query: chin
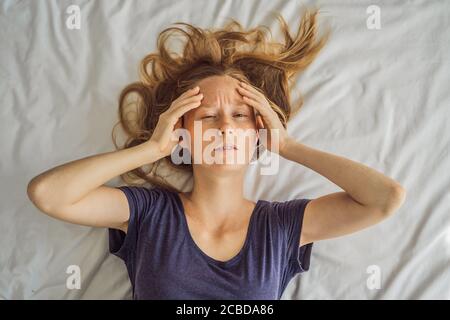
[225,169]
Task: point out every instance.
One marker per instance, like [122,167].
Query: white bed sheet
[380,97]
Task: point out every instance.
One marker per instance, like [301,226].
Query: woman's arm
[74,192]
[369,196]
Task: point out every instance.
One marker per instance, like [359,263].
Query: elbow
[395,200]
[36,194]
[32,189]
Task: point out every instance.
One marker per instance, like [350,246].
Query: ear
[257,138]
[259,122]
[179,123]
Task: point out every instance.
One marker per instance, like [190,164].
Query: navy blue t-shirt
[164,262]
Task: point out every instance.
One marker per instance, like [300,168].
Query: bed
[378,93]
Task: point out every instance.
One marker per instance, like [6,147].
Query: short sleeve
[290,214]
[140,202]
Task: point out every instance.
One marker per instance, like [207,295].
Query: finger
[255,104]
[268,111]
[252,89]
[189,92]
[176,104]
[197,97]
[248,93]
[192,90]
[179,112]
[264,114]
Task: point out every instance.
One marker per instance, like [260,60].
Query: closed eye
[238,115]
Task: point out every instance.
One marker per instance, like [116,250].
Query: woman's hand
[170,120]
[267,118]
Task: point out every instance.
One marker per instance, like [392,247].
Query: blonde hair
[247,55]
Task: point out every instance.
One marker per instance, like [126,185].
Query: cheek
[248,140]
[201,135]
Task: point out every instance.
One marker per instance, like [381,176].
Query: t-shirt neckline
[197,249]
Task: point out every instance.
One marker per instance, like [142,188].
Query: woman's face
[223,118]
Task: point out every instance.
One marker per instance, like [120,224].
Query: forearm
[70,182]
[364,184]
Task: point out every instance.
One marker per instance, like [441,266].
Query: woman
[212,242]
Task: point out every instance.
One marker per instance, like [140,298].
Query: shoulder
[285,215]
[143,199]
[285,207]
[143,192]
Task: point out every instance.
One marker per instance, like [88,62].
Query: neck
[218,197]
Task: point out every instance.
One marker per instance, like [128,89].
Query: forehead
[220,90]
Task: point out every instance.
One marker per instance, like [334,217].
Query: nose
[226,131]
[226,134]
[225,128]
